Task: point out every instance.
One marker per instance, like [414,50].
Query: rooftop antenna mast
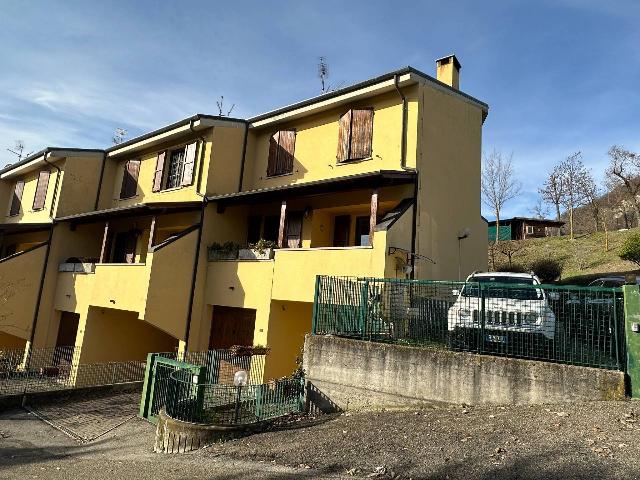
[323,74]
[119,136]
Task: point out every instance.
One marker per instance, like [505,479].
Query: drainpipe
[403,165]
[414,228]
[55,188]
[244,155]
[194,275]
[405,109]
[104,161]
[39,298]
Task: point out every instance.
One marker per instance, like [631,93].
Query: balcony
[20,276]
[158,289]
[295,269]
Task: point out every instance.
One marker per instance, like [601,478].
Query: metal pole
[237,413]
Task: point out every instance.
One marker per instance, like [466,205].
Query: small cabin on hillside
[521,228]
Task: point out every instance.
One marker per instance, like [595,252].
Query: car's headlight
[530,318]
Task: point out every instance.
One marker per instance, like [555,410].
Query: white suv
[510,312]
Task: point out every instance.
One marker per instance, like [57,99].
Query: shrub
[514,268]
[630,249]
[547,269]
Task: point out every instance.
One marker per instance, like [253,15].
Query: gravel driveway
[590,440]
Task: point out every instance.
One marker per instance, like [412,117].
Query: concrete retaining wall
[355,374]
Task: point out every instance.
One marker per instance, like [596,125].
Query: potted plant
[261,250]
[225,251]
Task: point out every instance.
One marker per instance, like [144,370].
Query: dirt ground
[591,440]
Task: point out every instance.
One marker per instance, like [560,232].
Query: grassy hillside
[583,258]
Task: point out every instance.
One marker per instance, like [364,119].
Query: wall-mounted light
[307,212]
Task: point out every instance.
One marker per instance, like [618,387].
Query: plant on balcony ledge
[225,251]
[249,350]
[261,250]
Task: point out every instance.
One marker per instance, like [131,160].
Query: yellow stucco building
[144,246]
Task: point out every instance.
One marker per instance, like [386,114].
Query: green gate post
[146,387]
[364,295]
[314,315]
[201,372]
[631,318]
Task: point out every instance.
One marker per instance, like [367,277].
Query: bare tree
[499,184]
[221,107]
[18,150]
[624,169]
[119,135]
[573,174]
[591,193]
[509,248]
[540,209]
[553,190]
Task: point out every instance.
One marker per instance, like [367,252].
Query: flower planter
[254,254]
[216,255]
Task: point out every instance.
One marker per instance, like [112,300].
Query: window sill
[355,160]
[279,175]
[172,189]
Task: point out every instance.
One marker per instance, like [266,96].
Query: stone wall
[353,374]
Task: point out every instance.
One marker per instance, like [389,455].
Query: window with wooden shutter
[282,146]
[130,175]
[16,201]
[355,135]
[174,168]
[40,197]
[189,164]
[157,177]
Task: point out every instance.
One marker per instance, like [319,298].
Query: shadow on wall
[318,402]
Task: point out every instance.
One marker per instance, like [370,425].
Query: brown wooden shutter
[286,150]
[189,164]
[273,154]
[40,197]
[17,198]
[157,177]
[344,137]
[361,134]
[130,179]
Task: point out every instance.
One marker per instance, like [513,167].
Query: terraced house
[210,232]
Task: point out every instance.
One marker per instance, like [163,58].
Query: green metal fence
[216,404]
[566,324]
[193,386]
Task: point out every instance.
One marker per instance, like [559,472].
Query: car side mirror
[455,292]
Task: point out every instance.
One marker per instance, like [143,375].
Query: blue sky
[559,75]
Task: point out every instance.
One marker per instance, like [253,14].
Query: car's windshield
[504,287]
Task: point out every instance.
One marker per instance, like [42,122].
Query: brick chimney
[448,71]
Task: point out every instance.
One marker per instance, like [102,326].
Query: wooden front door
[124,249]
[293,237]
[231,326]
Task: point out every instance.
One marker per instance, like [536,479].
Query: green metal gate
[157,385]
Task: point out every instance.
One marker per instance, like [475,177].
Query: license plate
[496,338]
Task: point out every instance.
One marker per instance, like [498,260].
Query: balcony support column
[283,214]
[373,218]
[103,250]
[152,233]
